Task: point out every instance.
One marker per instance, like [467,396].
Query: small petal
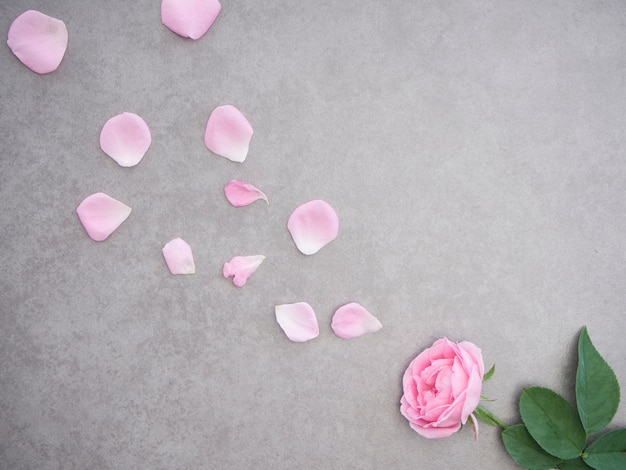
[313,225]
[189,18]
[101,215]
[298,321]
[125,138]
[242,267]
[178,256]
[228,133]
[241,194]
[39,41]
[352,320]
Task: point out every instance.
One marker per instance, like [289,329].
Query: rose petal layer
[101,215]
[241,194]
[38,41]
[313,225]
[242,267]
[125,138]
[179,257]
[353,320]
[189,18]
[228,133]
[298,321]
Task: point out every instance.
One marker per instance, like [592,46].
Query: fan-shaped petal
[313,225]
[298,321]
[101,215]
[353,320]
[179,257]
[125,138]
[189,18]
[228,133]
[241,194]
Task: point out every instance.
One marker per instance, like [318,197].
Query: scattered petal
[228,133]
[313,225]
[298,321]
[125,138]
[242,267]
[189,18]
[178,256]
[241,194]
[353,320]
[39,41]
[101,215]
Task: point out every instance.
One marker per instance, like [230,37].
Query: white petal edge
[228,133]
[189,18]
[242,267]
[313,225]
[101,215]
[125,138]
[179,257]
[241,194]
[353,320]
[298,321]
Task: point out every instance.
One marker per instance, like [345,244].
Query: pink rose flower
[442,388]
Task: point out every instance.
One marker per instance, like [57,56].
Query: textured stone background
[473,150]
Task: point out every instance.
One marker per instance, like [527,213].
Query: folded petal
[313,225]
[39,41]
[241,194]
[178,256]
[242,267]
[352,320]
[189,18]
[228,133]
[101,215]
[298,321]
[125,138]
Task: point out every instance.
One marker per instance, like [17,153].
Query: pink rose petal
[39,41]
[101,215]
[313,225]
[189,18]
[178,256]
[125,138]
[298,321]
[353,320]
[242,267]
[241,194]
[228,133]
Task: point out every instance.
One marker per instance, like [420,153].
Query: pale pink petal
[125,138]
[228,133]
[474,422]
[178,256]
[189,18]
[298,321]
[39,41]
[313,225]
[241,194]
[242,267]
[352,320]
[101,215]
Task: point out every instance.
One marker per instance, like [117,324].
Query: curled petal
[228,133]
[178,256]
[101,215]
[189,18]
[298,321]
[39,41]
[242,267]
[241,194]
[352,320]
[125,138]
[313,225]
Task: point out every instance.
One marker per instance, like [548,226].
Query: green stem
[493,418]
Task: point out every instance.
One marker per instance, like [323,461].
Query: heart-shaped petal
[242,267]
[125,138]
[39,41]
[228,133]
[298,321]
[353,320]
[241,194]
[189,18]
[178,256]
[101,215]
[313,225]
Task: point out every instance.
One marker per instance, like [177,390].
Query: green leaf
[597,389]
[525,451]
[576,464]
[489,373]
[608,452]
[552,422]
